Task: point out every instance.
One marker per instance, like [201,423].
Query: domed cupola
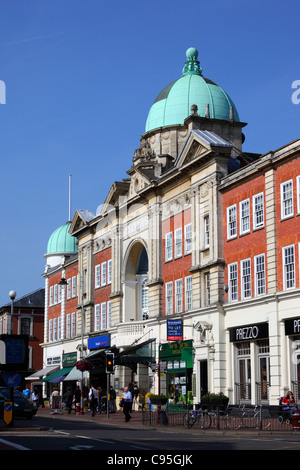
[173,104]
[60,244]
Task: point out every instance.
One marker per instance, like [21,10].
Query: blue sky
[80,79]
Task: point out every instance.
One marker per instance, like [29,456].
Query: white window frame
[168,246]
[233,288]
[103,274]
[169,298]
[68,288]
[178,242]
[108,314]
[231,222]
[97,317]
[55,294]
[68,325]
[246,278]
[258,211]
[244,216]
[103,316]
[51,296]
[97,276]
[259,274]
[188,293]
[54,329]
[74,279]
[207,289]
[178,296]
[109,271]
[298,194]
[285,272]
[73,324]
[286,199]
[206,231]
[187,239]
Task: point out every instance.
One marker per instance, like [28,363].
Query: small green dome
[61,241]
[173,104]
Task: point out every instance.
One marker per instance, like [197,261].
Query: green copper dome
[61,241]
[173,104]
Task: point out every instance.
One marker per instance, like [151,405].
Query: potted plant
[214,400]
[158,399]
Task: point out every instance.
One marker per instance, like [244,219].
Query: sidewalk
[116,419]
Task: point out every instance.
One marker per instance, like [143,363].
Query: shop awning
[75,375]
[57,376]
[40,373]
[143,353]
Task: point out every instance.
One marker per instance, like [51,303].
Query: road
[151,445]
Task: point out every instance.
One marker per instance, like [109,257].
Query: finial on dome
[192,65]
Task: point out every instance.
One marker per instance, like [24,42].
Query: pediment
[200,143]
[80,220]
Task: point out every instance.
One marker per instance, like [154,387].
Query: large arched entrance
[135,284]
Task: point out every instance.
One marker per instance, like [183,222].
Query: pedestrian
[68,399]
[135,393]
[93,397]
[27,392]
[112,400]
[54,399]
[35,397]
[77,397]
[127,400]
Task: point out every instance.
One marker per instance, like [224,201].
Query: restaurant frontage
[176,359]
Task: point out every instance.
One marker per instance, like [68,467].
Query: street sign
[7,412]
[12,379]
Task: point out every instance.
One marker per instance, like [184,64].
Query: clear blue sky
[80,78]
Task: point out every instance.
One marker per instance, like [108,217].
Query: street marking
[12,444]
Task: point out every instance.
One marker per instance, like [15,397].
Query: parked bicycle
[202,417]
[246,417]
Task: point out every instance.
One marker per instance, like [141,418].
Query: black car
[23,406]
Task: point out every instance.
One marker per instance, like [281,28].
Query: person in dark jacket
[68,400]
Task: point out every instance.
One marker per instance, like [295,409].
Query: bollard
[296,420]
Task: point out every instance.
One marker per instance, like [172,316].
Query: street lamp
[12,294]
[63,282]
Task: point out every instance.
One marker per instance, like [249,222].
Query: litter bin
[296,420]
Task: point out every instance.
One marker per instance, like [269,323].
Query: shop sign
[249,332]
[174,330]
[292,326]
[102,341]
[69,359]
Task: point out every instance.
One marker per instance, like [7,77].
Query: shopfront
[178,359]
[251,362]
[292,330]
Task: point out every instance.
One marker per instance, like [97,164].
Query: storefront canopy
[143,353]
[75,375]
[57,376]
[40,373]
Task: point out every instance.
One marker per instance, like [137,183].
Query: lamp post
[63,282]
[12,295]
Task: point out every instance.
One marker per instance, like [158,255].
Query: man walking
[127,399]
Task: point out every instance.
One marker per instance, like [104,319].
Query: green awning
[57,376]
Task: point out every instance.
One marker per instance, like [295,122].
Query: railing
[244,396]
[257,417]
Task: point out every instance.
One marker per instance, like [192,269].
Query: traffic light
[110,362]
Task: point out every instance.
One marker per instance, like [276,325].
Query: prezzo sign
[249,332]
[292,326]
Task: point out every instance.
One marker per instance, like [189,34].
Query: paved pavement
[116,419]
